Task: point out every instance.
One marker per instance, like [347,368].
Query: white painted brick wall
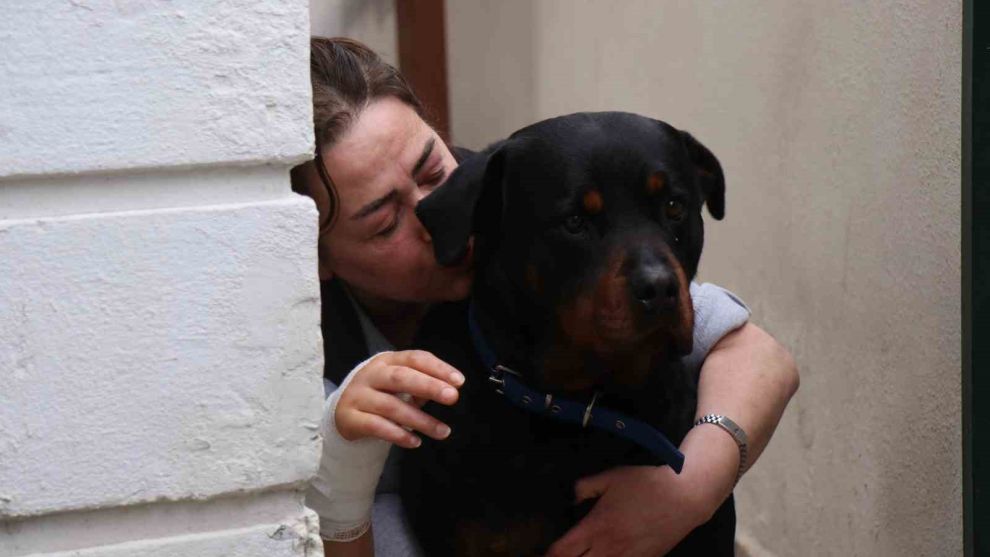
[160,356]
[108,85]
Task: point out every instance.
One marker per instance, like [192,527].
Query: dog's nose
[654,287]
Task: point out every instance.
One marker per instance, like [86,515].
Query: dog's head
[587,231]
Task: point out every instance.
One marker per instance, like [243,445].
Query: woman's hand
[647,510]
[369,407]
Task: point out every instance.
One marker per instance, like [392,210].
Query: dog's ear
[710,175]
[469,202]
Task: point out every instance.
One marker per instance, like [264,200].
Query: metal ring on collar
[587,411]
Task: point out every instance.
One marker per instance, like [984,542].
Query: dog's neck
[525,338]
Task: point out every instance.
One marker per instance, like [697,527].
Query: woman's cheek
[405,260]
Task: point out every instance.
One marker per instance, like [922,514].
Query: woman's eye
[434,180]
[388,230]
[674,210]
[575,224]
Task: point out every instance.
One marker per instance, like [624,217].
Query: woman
[376,158]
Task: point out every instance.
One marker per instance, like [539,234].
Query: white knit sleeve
[343,490]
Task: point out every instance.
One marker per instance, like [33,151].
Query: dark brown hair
[346,76]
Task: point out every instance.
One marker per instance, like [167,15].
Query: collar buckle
[497,376]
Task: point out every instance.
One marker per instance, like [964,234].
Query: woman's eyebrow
[375,205]
[427,149]
[390,196]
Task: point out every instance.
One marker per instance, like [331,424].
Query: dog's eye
[674,210]
[574,224]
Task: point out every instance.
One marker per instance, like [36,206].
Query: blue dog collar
[509,384]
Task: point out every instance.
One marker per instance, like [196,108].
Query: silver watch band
[737,434]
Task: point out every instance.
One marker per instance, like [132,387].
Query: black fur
[582,264]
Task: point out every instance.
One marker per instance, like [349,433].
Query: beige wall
[369,21]
[838,124]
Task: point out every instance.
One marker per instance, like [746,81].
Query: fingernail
[416,442]
[448,393]
[457,378]
[443,430]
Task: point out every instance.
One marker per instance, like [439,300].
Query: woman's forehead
[378,151]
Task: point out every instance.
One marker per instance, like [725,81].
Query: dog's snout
[654,286]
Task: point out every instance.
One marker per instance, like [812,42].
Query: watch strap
[737,433]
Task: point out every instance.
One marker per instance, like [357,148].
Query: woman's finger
[401,379]
[404,414]
[429,364]
[364,424]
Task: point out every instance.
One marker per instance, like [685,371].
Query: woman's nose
[424,234]
[418,194]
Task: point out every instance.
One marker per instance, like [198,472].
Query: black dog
[587,231]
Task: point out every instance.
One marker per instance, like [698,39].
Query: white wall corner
[159,301]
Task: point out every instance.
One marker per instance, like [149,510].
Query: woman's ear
[469,202]
[323,259]
[325,272]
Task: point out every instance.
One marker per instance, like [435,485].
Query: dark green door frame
[976,276]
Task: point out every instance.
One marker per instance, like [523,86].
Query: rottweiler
[586,231]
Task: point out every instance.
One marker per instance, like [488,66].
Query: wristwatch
[737,434]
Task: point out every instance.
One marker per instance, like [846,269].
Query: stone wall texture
[159,305]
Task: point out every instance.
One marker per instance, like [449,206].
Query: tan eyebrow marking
[656,183]
[593,202]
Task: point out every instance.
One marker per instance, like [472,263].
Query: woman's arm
[363,546]
[362,419]
[749,377]
[644,510]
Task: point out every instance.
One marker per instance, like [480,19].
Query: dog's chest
[503,482]
[497,450]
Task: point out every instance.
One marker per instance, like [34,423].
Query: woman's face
[382,166]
